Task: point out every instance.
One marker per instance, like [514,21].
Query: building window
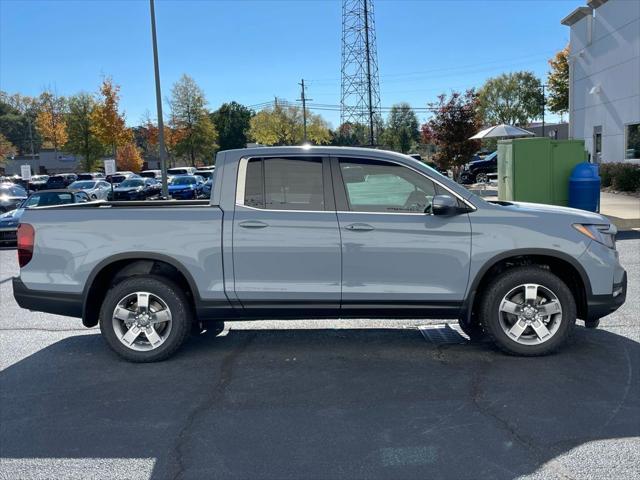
[632,146]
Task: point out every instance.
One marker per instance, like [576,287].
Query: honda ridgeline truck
[320,232]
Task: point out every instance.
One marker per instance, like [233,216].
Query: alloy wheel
[530,314]
[142,321]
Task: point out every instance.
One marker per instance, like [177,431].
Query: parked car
[91,176]
[206,188]
[11,195]
[95,189]
[9,221]
[56,182]
[181,171]
[321,232]
[151,174]
[137,189]
[186,187]
[119,177]
[476,171]
[206,174]
[38,182]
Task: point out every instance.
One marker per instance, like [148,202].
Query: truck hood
[573,214]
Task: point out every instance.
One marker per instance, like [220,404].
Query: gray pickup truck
[320,232]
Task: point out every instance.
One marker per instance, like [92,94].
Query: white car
[96,189]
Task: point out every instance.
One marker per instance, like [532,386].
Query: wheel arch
[110,270]
[567,268]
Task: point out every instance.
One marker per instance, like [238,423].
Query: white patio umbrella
[502,131]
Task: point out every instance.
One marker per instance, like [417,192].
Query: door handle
[253,224]
[360,227]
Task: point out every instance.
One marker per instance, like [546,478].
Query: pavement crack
[216,395]
[537,453]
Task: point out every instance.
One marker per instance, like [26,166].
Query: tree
[7,149]
[401,132]
[172,136]
[128,157]
[190,115]
[513,98]
[107,123]
[82,138]
[51,121]
[232,121]
[350,134]
[454,121]
[17,122]
[284,126]
[558,81]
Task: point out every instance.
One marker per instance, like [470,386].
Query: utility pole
[304,99]
[162,151]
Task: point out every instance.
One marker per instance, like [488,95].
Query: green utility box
[537,169]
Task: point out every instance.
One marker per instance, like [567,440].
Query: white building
[604,78]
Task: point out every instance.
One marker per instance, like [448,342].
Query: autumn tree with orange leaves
[50,121]
[107,122]
[173,135]
[128,158]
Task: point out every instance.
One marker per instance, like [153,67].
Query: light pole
[163,156]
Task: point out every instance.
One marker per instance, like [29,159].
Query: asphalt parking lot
[313,400]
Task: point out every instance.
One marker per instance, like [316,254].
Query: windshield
[39,178]
[148,174]
[177,171]
[48,198]
[132,183]
[83,185]
[183,181]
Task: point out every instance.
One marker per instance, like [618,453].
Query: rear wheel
[528,311]
[145,318]
[481,177]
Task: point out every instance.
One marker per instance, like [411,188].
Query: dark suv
[477,170]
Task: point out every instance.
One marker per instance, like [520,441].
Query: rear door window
[285,184]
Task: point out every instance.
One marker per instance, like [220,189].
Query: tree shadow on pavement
[371,403]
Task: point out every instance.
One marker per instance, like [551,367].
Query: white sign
[25,172]
[109,167]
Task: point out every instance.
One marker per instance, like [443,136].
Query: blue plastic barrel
[584,187]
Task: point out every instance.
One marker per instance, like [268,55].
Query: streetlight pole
[162,151]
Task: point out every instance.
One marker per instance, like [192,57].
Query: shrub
[624,177]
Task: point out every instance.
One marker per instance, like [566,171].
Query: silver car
[96,189]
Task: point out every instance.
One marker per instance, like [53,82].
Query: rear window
[183,181]
[85,176]
[285,184]
[82,185]
[178,171]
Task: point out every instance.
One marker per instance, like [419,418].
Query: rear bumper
[59,303]
[602,305]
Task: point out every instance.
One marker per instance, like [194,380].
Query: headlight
[604,234]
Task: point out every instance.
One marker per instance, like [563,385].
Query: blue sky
[251,51]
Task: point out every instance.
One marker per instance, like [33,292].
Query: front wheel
[528,311]
[145,318]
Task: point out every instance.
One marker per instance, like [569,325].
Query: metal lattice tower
[360,99]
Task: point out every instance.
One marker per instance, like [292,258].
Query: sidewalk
[622,210]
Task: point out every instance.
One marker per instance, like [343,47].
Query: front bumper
[599,306]
[183,194]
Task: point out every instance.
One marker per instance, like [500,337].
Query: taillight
[26,239]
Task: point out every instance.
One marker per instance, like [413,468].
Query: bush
[624,177]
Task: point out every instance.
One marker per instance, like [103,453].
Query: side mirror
[444,205]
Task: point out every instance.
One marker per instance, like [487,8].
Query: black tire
[171,294]
[507,281]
